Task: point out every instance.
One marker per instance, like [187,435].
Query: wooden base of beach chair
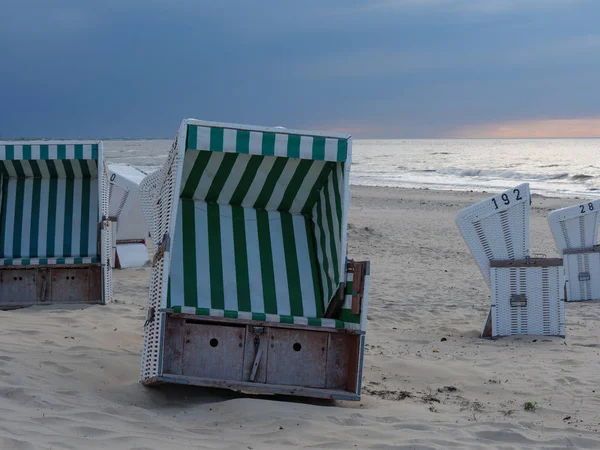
[49,284]
[260,357]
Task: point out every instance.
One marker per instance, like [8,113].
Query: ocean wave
[581,177]
[501,173]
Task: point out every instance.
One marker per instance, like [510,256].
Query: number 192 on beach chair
[251,289]
[527,296]
[54,229]
[575,231]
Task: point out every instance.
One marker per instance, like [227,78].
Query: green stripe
[293,146]
[61,151]
[317,186]
[246,181]
[18,165]
[266,262]
[261,317]
[27,152]
[78,151]
[347,316]
[51,226]
[268,144]
[230,314]
[215,257]
[18,223]
[270,183]
[67,238]
[242,141]
[192,138]
[221,177]
[314,264]
[332,241]
[35,217]
[194,177]
[314,322]
[323,247]
[348,290]
[95,151]
[188,234]
[241,259]
[70,173]
[294,185]
[52,168]
[318,149]
[85,170]
[216,140]
[85,217]
[10,152]
[337,196]
[342,150]
[3,218]
[44,152]
[291,265]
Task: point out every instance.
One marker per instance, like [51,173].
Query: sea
[553,167]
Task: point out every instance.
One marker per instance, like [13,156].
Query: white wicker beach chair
[526,293]
[54,228]
[251,288]
[575,231]
[130,228]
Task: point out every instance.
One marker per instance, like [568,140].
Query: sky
[375,69]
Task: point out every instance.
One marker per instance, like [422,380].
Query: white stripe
[27,168]
[188,163]
[272,318]
[43,227]
[216,313]
[281,142]
[306,143]
[93,167]
[216,158]
[60,169]
[328,323]
[233,180]
[228,255]
[70,152]
[229,140]
[76,168]
[87,151]
[331,148]
[202,260]
[259,180]
[43,165]
[52,151]
[304,267]
[301,320]
[306,186]
[320,256]
[18,153]
[76,234]
[26,224]
[35,152]
[94,218]
[11,197]
[10,168]
[60,217]
[203,138]
[255,143]
[186,309]
[245,315]
[283,182]
[330,262]
[279,267]
[176,272]
[254,269]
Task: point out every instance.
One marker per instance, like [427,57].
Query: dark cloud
[132,68]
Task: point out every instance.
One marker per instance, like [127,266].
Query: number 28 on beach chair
[526,293]
[54,229]
[251,289]
[575,231]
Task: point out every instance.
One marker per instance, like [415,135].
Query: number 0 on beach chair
[54,229]
[251,289]
[526,293]
[130,229]
[575,231]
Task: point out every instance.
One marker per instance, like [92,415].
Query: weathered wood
[297,357]
[95,284]
[255,388]
[255,343]
[173,346]
[358,286]
[70,285]
[256,363]
[338,354]
[354,369]
[18,288]
[44,285]
[532,262]
[213,351]
[335,305]
[225,320]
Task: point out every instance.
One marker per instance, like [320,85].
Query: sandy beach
[69,377]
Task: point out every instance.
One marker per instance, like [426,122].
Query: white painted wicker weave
[575,231]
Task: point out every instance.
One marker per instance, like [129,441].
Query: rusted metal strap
[161,249]
[529,262]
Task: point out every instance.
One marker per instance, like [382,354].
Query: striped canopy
[259,223]
[48,201]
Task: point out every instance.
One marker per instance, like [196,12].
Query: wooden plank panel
[250,352]
[297,357]
[44,285]
[173,349]
[354,368]
[338,357]
[213,351]
[70,285]
[95,284]
[18,287]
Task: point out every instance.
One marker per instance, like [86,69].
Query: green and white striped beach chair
[251,288]
[54,245]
